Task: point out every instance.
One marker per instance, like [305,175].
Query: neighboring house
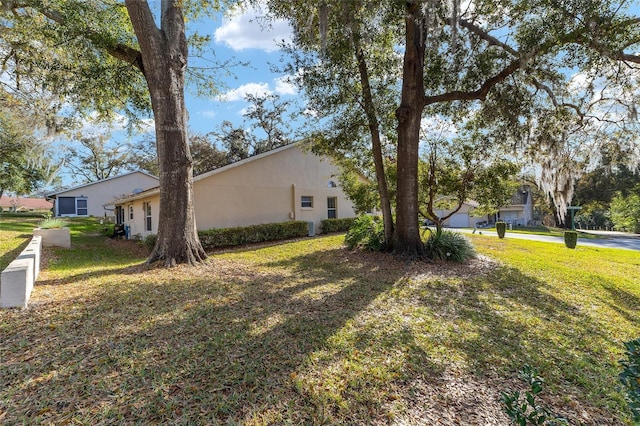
[519,212]
[462,218]
[20,204]
[89,199]
[284,184]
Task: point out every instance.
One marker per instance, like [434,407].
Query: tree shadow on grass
[507,319]
[19,224]
[210,348]
[9,256]
[325,337]
[624,302]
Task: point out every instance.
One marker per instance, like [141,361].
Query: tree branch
[484,35]
[483,91]
[118,50]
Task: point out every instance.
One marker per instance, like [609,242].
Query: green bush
[367,232]
[336,225]
[630,377]
[501,228]
[570,239]
[625,211]
[107,229]
[228,237]
[150,241]
[525,409]
[52,223]
[451,246]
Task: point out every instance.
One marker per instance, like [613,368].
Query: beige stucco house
[288,183]
[90,199]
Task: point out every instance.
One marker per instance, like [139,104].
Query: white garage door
[509,216]
[459,220]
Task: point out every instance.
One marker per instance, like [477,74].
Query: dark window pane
[66,205]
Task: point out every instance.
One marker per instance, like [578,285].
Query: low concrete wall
[60,237]
[16,281]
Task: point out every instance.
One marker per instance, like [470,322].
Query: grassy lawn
[306,332]
[15,233]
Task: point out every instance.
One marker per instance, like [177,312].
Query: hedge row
[227,237]
[337,225]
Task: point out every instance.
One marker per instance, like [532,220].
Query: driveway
[619,240]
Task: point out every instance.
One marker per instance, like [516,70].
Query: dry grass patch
[295,333]
[14,237]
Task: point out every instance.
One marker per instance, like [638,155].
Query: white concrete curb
[16,281]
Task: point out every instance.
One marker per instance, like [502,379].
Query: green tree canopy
[513,56]
[106,56]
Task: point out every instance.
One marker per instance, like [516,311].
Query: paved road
[611,239]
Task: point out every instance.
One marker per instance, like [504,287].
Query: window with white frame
[130,212]
[306,202]
[72,206]
[147,216]
[332,204]
[82,207]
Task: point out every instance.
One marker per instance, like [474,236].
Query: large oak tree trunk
[407,232]
[164,57]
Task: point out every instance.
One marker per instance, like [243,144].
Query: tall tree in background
[345,52]
[266,126]
[25,162]
[267,114]
[455,171]
[96,159]
[206,155]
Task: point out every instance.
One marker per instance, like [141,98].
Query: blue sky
[241,37]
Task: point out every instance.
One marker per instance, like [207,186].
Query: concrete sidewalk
[617,240]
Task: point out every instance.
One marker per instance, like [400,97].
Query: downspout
[292,215]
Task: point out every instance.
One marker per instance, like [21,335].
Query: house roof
[470,203]
[54,194]
[26,203]
[520,196]
[156,190]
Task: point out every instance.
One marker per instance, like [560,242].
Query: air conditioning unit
[312,228]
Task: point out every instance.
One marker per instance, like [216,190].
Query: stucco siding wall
[137,225]
[223,206]
[268,190]
[260,190]
[101,193]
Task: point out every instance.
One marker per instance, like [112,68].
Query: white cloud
[437,127]
[310,112]
[257,89]
[579,82]
[208,113]
[284,86]
[92,125]
[248,29]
